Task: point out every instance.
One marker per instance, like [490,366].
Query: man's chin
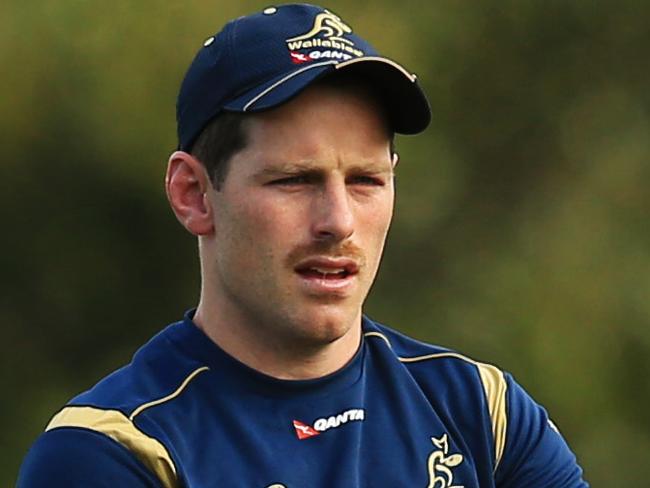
[325,325]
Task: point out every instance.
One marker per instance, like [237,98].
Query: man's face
[301,219]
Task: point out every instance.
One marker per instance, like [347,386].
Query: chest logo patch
[305,431]
[441,465]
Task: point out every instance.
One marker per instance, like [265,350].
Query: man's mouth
[327,269]
[323,273]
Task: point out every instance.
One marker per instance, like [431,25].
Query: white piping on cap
[286,78]
[338,65]
[401,68]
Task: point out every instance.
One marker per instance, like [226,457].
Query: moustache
[347,250]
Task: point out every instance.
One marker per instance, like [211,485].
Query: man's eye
[290,180]
[367,180]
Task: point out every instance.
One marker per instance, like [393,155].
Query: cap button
[270,10]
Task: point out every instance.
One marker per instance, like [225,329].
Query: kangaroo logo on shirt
[441,464]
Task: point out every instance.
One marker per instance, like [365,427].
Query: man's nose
[333,215]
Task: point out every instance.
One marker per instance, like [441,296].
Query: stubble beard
[289,319]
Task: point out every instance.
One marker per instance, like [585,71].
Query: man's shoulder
[156,370]
[416,354]
[467,392]
[81,457]
[442,375]
[130,410]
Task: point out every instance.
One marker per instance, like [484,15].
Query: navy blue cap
[262,60]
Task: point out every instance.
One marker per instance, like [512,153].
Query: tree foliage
[519,234]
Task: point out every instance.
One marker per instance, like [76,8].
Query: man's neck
[255,345]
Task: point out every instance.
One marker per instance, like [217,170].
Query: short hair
[226,134]
[218,142]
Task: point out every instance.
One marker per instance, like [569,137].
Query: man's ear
[187,184]
[395,159]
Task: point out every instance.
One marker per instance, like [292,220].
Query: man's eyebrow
[289,168]
[371,167]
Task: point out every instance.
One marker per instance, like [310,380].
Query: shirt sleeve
[75,458]
[535,455]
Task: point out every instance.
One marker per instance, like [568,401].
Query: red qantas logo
[304,431]
[297,58]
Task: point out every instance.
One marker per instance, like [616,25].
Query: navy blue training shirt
[401,413]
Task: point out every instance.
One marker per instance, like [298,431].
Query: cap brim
[406,105]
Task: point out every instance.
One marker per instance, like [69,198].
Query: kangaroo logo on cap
[330,25]
[327,32]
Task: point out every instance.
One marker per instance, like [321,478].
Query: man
[285,174]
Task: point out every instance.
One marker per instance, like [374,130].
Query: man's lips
[327,277]
[327,268]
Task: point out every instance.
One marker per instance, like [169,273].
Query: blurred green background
[520,235]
